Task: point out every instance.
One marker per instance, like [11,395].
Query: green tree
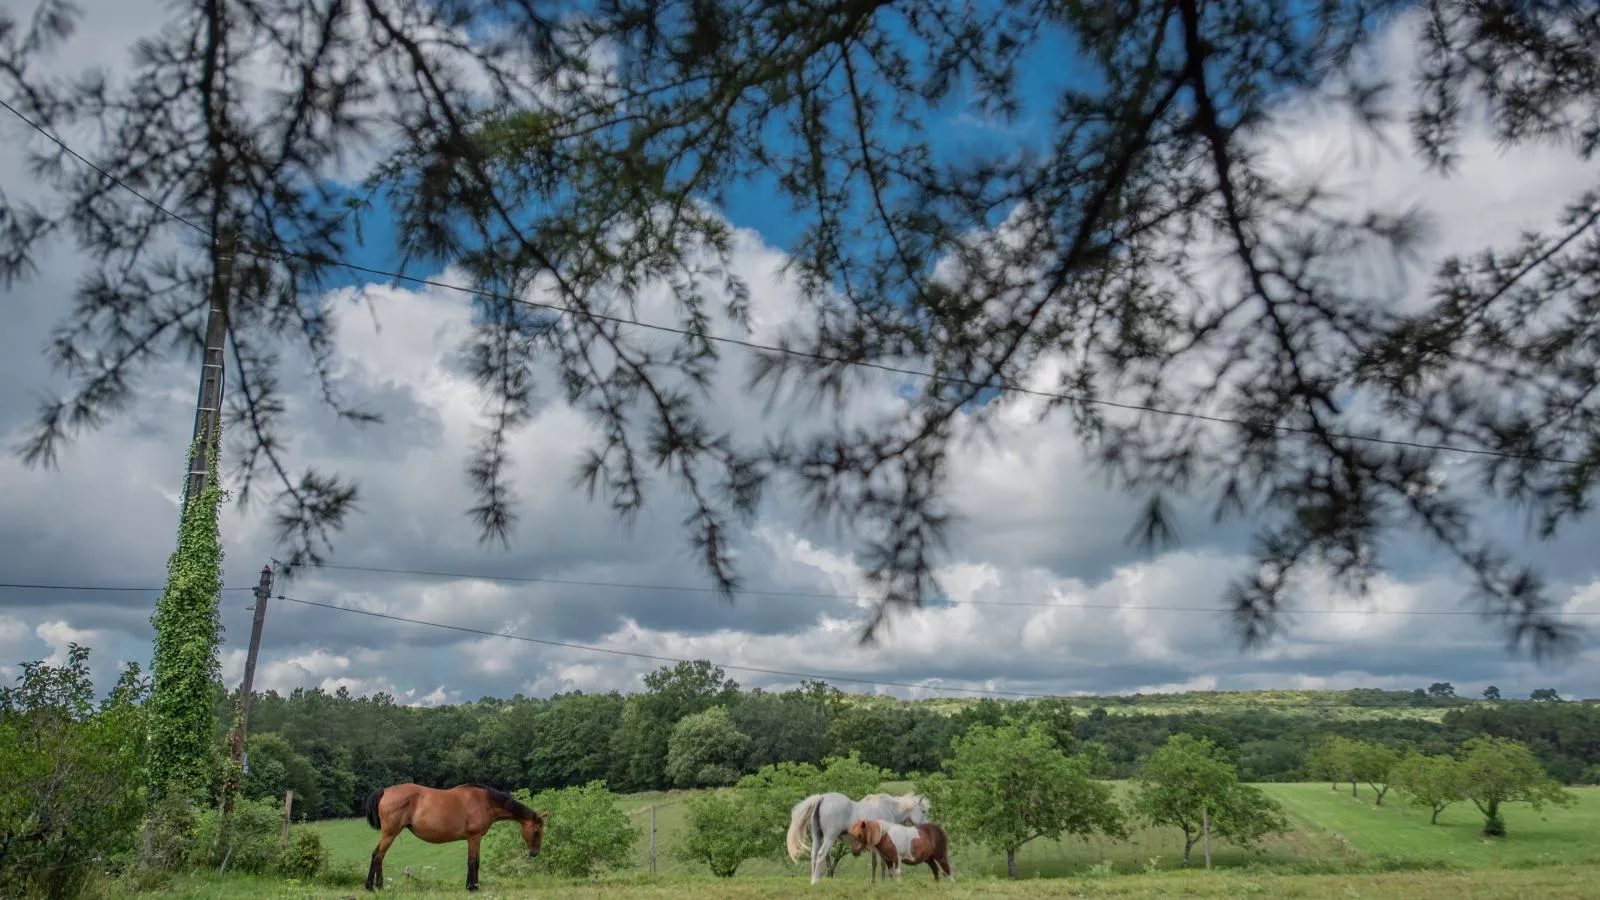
[1007,786]
[1335,759]
[1496,771]
[185,672]
[706,750]
[1055,717]
[520,160]
[671,692]
[587,832]
[71,774]
[1430,781]
[572,739]
[725,828]
[1442,690]
[275,767]
[1189,784]
[1491,693]
[781,727]
[1374,764]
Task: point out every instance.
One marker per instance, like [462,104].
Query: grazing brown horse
[440,816]
[895,843]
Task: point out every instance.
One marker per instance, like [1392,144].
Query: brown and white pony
[895,844]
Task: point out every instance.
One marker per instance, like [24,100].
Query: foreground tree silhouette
[1149,255]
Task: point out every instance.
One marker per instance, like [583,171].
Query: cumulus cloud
[1044,593]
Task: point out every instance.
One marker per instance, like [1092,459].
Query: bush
[304,856]
[169,836]
[70,777]
[246,838]
[725,829]
[587,831]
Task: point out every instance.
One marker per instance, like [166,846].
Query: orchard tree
[1189,784]
[1496,771]
[1430,781]
[1336,759]
[1006,786]
[725,828]
[1146,236]
[1374,764]
[587,832]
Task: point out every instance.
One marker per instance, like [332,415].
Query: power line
[1028,604]
[655,658]
[90,587]
[1004,386]
[1033,604]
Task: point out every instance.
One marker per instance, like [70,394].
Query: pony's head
[864,833]
[533,831]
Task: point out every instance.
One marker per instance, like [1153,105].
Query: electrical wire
[1031,604]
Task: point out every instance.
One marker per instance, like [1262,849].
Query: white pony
[829,816]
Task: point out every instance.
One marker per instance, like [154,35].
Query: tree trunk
[1435,819]
[1352,788]
[1189,840]
[1011,864]
[1381,791]
[1493,825]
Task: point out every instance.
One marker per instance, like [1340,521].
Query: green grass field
[1330,832]
[1547,883]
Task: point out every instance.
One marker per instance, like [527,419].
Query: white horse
[829,816]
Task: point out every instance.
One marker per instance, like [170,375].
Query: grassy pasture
[1547,883]
[1330,832]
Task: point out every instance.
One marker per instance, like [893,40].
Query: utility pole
[263,592]
[208,406]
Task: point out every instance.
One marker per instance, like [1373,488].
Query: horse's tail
[799,837]
[370,807]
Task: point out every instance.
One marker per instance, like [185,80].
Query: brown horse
[463,812]
[895,843]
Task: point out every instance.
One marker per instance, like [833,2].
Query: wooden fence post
[652,840]
[1205,825]
[283,836]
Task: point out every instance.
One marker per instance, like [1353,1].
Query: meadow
[1548,883]
[1330,833]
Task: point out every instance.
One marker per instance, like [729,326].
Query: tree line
[692,726]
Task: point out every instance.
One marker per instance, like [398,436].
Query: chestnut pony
[895,843]
[440,816]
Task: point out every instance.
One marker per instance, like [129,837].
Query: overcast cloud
[1039,528]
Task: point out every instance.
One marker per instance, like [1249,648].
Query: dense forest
[693,726]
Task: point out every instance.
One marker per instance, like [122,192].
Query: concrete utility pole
[208,406]
[263,592]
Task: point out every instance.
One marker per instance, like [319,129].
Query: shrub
[587,831]
[304,856]
[725,829]
[169,836]
[70,777]
[247,838]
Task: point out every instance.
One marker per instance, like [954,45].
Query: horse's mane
[505,801]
